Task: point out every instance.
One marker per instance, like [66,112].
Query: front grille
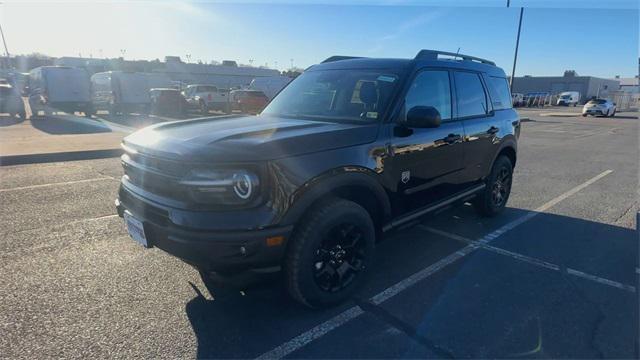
[168,167]
[157,176]
[147,211]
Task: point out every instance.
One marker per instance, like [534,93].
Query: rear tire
[329,253]
[492,200]
[613,114]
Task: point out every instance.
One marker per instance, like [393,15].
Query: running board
[464,195]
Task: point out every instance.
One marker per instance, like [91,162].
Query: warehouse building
[587,86]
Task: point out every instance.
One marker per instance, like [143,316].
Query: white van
[269,85]
[59,88]
[569,98]
[121,92]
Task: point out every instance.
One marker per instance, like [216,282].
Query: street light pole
[515,57]
[6,50]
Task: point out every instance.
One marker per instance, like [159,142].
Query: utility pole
[6,50]
[515,56]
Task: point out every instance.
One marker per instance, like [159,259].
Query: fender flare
[508,142]
[318,187]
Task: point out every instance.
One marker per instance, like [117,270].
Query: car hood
[243,139]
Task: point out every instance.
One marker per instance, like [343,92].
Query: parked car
[352,148]
[11,101]
[123,92]
[248,101]
[602,107]
[569,98]
[59,88]
[269,85]
[207,97]
[517,99]
[168,102]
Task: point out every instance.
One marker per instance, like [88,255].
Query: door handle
[492,130]
[452,138]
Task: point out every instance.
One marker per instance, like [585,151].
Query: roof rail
[433,55]
[339,57]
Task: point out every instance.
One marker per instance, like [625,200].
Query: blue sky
[583,35]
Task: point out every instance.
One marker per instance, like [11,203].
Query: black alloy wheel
[339,258]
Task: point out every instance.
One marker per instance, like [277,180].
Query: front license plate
[135,229]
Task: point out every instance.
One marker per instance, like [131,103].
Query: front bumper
[216,251]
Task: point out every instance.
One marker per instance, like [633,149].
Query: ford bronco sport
[349,150]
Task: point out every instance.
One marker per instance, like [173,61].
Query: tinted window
[349,95]
[431,88]
[598,101]
[471,98]
[499,91]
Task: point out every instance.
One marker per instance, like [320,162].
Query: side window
[499,91]
[431,88]
[470,96]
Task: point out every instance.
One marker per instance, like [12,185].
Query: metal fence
[626,101]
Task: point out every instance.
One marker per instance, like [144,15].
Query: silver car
[601,107]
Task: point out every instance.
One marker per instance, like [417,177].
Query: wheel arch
[353,183]
[508,149]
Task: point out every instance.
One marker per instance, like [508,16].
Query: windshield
[565,97]
[598,101]
[351,95]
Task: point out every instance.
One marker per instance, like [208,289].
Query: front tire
[329,253]
[492,200]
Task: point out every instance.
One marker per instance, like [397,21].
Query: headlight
[222,186]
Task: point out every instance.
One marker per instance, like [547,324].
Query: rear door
[481,125]
[426,163]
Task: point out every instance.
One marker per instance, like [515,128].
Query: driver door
[427,162]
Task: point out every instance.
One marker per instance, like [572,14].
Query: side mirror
[423,117]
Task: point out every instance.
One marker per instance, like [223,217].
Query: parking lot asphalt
[556,275]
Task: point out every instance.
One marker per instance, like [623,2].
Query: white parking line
[310,335]
[530,260]
[601,280]
[56,184]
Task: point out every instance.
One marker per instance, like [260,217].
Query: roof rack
[433,55]
[339,58]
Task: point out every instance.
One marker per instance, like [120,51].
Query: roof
[425,58]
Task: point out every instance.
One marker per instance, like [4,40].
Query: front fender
[326,183]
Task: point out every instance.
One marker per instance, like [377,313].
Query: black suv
[352,148]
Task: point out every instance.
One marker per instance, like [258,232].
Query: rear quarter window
[499,92]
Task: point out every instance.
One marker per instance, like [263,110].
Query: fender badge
[406,175]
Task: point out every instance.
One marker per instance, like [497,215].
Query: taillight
[210,97]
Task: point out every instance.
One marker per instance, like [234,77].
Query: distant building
[629,85]
[587,86]
[227,75]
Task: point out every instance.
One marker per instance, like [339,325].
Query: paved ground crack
[407,329]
